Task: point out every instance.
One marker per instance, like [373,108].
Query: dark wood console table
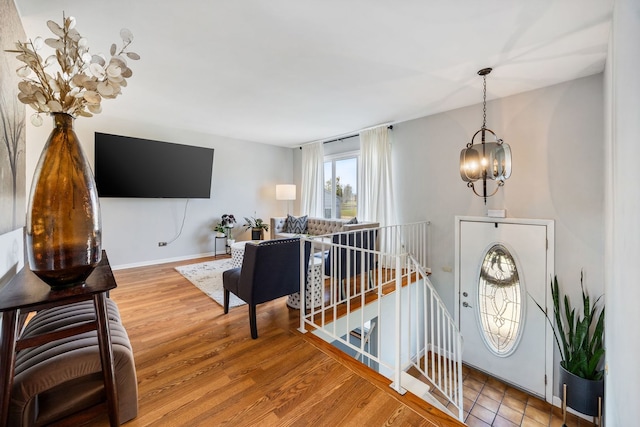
[26,293]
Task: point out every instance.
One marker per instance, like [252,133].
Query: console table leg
[106,357]
[8,356]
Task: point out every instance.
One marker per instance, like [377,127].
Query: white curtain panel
[375,201]
[312,176]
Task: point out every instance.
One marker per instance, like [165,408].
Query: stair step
[415,386]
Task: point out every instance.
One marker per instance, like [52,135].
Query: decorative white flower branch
[82,81]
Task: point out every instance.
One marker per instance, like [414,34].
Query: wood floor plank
[197,366]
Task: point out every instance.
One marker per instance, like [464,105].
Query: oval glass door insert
[500,301]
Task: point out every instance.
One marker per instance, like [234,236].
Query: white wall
[244,178]
[622,389]
[556,137]
[11,255]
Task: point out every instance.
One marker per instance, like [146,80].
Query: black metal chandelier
[485,160]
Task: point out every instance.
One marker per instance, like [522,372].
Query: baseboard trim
[165,260]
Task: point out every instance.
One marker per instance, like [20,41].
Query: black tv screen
[135,167]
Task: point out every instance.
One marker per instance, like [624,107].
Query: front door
[502,265]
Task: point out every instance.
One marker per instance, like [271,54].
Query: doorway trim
[550,255]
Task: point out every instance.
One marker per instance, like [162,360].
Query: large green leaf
[592,372]
[569,316]
[555,292]
[598,333]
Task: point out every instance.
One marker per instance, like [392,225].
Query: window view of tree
[341,187]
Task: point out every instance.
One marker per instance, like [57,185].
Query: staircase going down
[380,307]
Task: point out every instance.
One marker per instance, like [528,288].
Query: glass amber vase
[64,233]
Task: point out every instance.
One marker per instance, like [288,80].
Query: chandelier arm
[497,140]
[472,187]
[494,191]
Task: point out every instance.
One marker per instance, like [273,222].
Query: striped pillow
[295,225]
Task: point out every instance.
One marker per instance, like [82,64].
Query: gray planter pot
[582,394]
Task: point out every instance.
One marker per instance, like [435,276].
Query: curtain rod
[390,127]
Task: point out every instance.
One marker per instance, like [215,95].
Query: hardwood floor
[199,367]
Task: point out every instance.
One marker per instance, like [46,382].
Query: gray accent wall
[556,137]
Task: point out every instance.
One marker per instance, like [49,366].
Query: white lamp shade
[286,192]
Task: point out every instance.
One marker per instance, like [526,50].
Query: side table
[215,246]
[237,252]
[26,293]
[314,288]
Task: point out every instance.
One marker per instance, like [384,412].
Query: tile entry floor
[489,402]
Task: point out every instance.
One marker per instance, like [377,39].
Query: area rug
[207,276]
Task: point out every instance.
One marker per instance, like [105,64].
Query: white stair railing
[380,277]
[439,359]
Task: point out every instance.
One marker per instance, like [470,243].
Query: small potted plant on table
[257,226]
[220,230]
[223,228]
[228,222]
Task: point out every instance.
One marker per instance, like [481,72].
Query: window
[341,186]
[499,298]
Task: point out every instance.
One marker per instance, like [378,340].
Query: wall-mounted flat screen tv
[135,167]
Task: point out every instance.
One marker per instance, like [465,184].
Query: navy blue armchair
[269,270]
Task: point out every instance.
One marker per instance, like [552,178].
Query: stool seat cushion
[60,378]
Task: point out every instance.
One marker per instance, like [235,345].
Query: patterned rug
[207,276]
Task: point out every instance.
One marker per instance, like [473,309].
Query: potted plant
[223,228]
[257,226]
[581,345]
[220,230]
[228,220]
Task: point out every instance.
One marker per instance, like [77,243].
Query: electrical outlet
[162,243]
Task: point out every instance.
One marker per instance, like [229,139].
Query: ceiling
[286,72]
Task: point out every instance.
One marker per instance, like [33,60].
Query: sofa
[317,226]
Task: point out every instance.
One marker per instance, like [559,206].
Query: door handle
[466,304]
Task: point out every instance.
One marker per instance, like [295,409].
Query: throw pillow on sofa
[353,220]
[295,225]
